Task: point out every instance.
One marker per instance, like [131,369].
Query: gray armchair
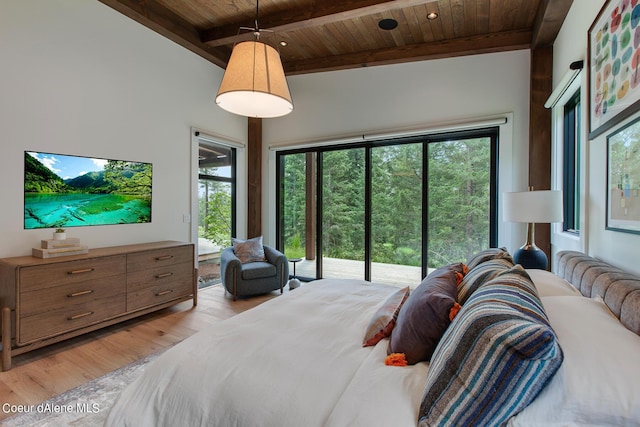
[253,278]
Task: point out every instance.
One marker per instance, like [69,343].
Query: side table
[294,282]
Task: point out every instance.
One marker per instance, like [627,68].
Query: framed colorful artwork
[623,179]
[613,65]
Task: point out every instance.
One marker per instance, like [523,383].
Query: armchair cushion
[258,270]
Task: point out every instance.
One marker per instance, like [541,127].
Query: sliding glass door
[216,207]
[297,225]
[390,211]
[397,175]
[342,213]
[460,199]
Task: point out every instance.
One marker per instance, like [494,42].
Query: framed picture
[613,65]
[623,179]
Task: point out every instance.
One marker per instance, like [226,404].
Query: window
[571,164]
[388,211]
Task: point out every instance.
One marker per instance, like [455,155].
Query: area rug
[86,405]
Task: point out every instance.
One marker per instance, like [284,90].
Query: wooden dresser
[48,300]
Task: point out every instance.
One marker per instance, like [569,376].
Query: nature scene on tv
[68,191]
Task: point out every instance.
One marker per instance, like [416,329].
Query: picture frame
[623,179]
[613,66]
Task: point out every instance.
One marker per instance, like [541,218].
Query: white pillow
[548,284]
[598,383]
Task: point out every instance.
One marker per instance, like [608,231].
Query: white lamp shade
[254,84]
[533,206]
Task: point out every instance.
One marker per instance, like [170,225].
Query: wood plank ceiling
[331,35]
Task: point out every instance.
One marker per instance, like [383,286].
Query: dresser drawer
[59,297]
[159,258]
[157,294]
[160,276]
[45,276]
[51,323]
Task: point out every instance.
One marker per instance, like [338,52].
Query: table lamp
[532,206]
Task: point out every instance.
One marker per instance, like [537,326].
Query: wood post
[254,177]
[540,133]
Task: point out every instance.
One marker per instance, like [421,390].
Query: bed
[526,348]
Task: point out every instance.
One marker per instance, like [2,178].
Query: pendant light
[254,84]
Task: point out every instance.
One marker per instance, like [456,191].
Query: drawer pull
[84,270]
[163,275]
[159,294]
[78,316]
[164,257]
[80,293]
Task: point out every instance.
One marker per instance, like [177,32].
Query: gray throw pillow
[424,317]
[249,250]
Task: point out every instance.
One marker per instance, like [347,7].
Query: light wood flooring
[47,372]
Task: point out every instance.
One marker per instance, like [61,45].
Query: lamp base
[530,256]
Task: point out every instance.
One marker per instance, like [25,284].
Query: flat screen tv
[67,191]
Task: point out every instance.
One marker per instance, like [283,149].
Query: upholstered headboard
[593,277]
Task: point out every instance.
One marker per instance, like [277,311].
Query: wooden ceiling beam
[549,19]
[157,17]
[321,13]
[488,43]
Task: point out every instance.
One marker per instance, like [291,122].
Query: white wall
[419,94]
[617,248]
[80,78]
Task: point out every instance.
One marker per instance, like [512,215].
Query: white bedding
[294,360]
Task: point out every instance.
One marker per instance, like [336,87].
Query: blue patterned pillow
[479,275]
[494,359]
[488,254]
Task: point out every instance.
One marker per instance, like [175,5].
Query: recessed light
[283,43]
[388,24]
[431,16]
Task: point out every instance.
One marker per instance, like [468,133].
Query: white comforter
[296,360]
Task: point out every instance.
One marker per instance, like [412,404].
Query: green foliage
[459,187]
[39,179]
[216,218]
[128,177]
[343,204]
[294,247]
[294,192]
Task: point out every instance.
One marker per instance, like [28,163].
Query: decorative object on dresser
[58,247]
[532,206]
[49,300]
[59,234]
